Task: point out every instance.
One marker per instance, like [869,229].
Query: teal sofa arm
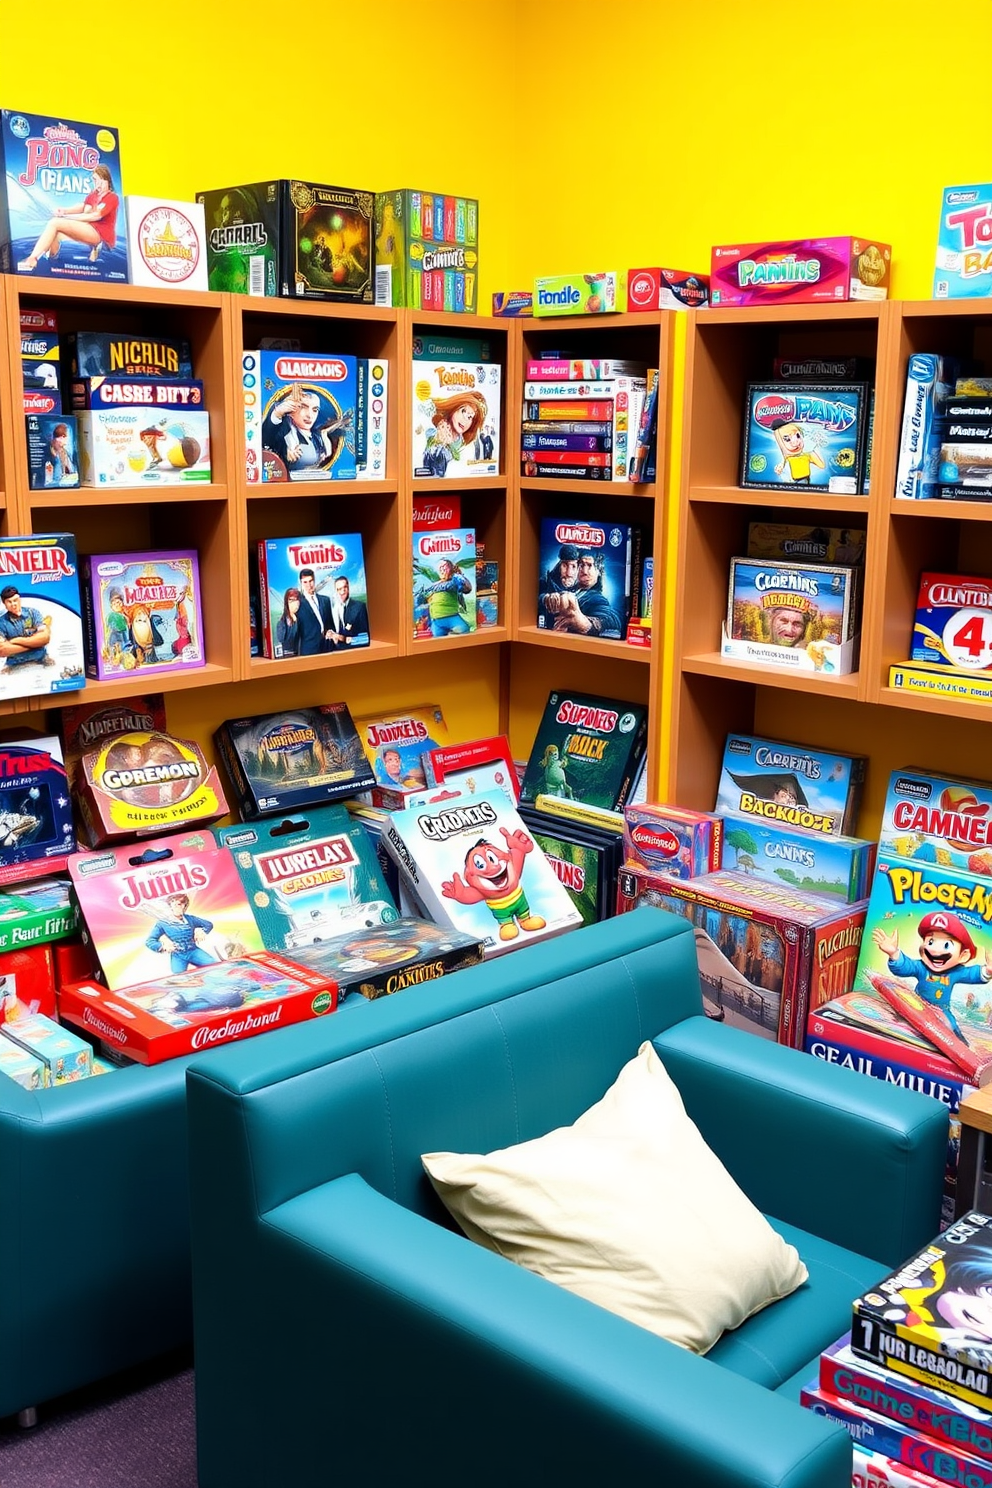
[451,1340]
[846,1157]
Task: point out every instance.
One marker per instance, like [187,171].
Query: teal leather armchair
[346,1333]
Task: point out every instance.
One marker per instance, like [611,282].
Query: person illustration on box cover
[290,430]
[787,626]
[94,222]
[180,935]
[457,422]
[584,609]
[945,961]
[445,599]
[24,632]
[313,617]
[288,625]
[349,617]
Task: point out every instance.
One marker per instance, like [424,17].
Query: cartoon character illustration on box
[93,222]
[58,461]
[313,617]
[290,430]
[584,610]
[288,625]
[791,440]
[24,631]
[349,617]
[492,877]
[181,936]
[151,438]
[952,1305]
[945,962]
[457,421]
[183,637]
[144,636]
[553,766]
[116,624]
[445,600]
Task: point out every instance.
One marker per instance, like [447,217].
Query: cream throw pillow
[629,1208]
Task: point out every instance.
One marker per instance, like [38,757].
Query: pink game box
[800,270]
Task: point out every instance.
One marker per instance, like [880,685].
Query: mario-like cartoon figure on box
[946,952]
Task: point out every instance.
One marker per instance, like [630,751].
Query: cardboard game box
[963,269]
[53,450]
[803,616]
[337,565]
[309,876]
[36,828]
[426,251]
[287,761]
[389,958]
[50,166]
[587,749]
[803,437]
[175,905]
[166,243]
[585,858]
[142,612]
[40,616]
[589,577]
[832,867]
[243,238]
[126,354]
[472,865]
[672,840]
[801,269]
[85,725]
[444,579]
[953,623]
[805,542]
[117,391]
[944,820]
[143,783]
[790,784]
[172,1015]
[304,415]
[36,913]
[139,446]
[479,765]
[456,418]
[40,361]
[327,244]
[767,954]
[395,744]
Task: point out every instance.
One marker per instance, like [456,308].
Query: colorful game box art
[831,867]
[805,543]
[456,418]
[56,173]
[426,251]
[302,415]
[587,749]
[87,725]
[198,1009]
[118,391]
[143,446]
[314,595]
[953,624]
[803,269]
[53,454]
[38,912]
[145,781]
[585,577]
[36,830]
[173,905]
[920,1321]
[287,761]
[40,361]
[309,876]
[767,953]
[938,820]
[963,269]
[166,243]
[142,612]
[472,864]
[389,958]
[795,436]
[444,595]
[667,289]
[327,251]
[243,238]
[790,784]
[395,744]
[105,354]
[803,616]
[586,860]
[41,628]
[672,840]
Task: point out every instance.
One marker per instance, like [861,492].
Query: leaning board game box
[36,913]
[309,876]
[337,564]
[790,784]
[286,761]
[142,612]
[919,1322]
[395,743]
[388,958]
[444,578]
[302,415]
[165,243]
[588,749]
[456,418]
[586,581]
[586,860]
[426,251]
[36,830]
[173,904]
[198,1009]
[803,616]
[470,862]
[326,242]
[41,625]
[242,230]
[938,819]
[797,437]
[54,168]
[766,954]
[143,783]
[86,725]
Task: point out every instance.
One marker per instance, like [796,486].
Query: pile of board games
[582,419]
[912,1381]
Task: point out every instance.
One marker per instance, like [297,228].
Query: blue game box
[589,572]
[304,415]
[337,565]
[41,624]
[790,784]
[797,437]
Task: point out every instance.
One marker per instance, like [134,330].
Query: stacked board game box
[51,430]
[287,761]
[313,595]
[938,819]
[388,958]
[456,413]
[585,857]
[589,577]
[581,418]
[587,749]
[790,785]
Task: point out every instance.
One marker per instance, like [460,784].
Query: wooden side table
[976,1127]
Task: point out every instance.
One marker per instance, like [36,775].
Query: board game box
[963,269]
[309,876]
[810,436]
[145,782]
[327,243]
[585,858]
[796,542]
[672,840]
[138,446]
[142,612]
[172,1015]
[456,418]
[804,616]
[426,251]
[166,243]
[395,743]
[302,413]
[85,725]
[290,760]
[36,913]
[800,269]
[831,867]
[129,354]
[790,784]
[480,765]
[588,749]
[945,820]
[587,579]
[53,450]
[41,628]
[148,392]
[923,1321]
[36,829]
[389,958]
[953,623]
[40,361]
[173,905]
[243,238]
[314,594]
[472,865]
[444,583]
[767,954]
[52,170]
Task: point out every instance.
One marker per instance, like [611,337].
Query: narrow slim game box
[313,594]
[165,243]
[808,542]
[41,627]
[60,207]
[456,418]
[388,958]
[142,612]
[40,361]
[803,616]
[427,251]
[303,415]
[790,784]
[587,749]
[287,761]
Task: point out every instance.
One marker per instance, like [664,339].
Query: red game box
[199,1009]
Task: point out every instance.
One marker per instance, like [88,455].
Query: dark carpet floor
[134,1431]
